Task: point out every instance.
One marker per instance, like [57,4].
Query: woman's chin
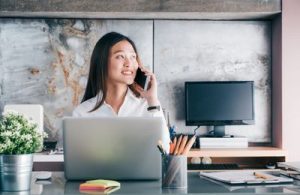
[130,82]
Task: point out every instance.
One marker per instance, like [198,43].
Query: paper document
[290,165]
[245,177]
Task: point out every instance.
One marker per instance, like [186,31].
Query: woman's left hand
[151,93]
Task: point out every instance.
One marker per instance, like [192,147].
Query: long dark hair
[97,80]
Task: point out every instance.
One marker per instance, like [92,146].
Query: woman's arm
[154,108]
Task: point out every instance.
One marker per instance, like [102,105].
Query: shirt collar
[129,94]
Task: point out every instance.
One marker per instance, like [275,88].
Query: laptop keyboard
[212,166]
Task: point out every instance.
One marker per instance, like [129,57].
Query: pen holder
[174,171]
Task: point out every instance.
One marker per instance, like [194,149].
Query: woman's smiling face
[122,63]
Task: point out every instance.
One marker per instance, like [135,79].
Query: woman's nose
[128,62]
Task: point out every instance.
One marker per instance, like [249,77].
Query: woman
[111,90]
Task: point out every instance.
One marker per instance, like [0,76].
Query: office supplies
[100,186]
[174,165]
[95,191]
[161,148]
[177,145]
[189,145]
[122,148]
[182,145]
[250,188]
[290,165]
[172,129]
[244,177]
[263,176]
[290,169]
[173,145]
[290,173]
[174,171]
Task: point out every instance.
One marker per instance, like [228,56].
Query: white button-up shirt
[132,106]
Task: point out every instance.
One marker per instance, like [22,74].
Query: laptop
[118,148]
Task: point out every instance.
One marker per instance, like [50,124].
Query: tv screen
[219,103]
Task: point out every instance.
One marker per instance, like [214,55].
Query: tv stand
[219,131]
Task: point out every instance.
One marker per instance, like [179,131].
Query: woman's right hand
[151,93]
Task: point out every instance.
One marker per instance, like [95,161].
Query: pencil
[177,145]
[174,142]
[172,147]
[182,145]
[189,145]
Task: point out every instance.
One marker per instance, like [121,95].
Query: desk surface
[196,184]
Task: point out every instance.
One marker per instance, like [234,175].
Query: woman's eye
[120,57]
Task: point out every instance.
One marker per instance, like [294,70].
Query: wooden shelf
[239,152]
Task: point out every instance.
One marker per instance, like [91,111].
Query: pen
[161,148]
[262,176]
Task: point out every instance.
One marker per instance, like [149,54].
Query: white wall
[291,78]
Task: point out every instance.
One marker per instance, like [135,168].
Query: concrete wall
[46,61]
[210,51]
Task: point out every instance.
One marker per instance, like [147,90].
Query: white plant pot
[15,172]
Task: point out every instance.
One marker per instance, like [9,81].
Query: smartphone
[141,79]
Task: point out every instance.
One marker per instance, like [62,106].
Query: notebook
[244,188]
[116,148]
[245,177]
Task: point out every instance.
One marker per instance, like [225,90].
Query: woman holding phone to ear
[111,90]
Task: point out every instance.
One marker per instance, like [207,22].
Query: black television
[219,103]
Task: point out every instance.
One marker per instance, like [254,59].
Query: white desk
[196,185]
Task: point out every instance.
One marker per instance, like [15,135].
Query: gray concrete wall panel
[209,51]
[46,61]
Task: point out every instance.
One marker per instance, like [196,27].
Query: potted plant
[19,139]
